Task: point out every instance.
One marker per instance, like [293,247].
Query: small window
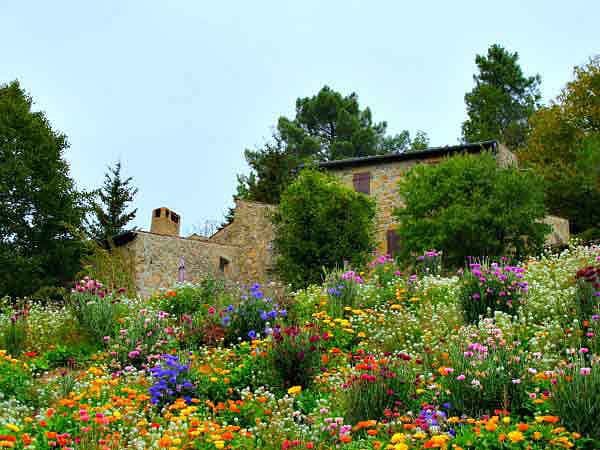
[175,217]
[167,213]
[157,212]
[223,264]
[393,243]
[362,182]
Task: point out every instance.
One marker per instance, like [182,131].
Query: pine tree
[502,100]
[110,216]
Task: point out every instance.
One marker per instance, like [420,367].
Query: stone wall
[560,230]
[156,260]
[252,232]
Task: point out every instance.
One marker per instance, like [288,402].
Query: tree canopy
[563,146]
[502,100]
[319,224]
[468,206]
[40,209]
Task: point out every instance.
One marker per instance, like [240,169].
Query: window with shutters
[157,212]
[362,182]
[393,243]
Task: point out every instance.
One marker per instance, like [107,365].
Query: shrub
[486,289]
[482,378]
[377,385]
[342,291]
[430,263]
[469,206]
[190,298]
[14,333]
[95,309]
[320,224]
[141,337]
[575,395]
[295,354]
[251,317]
[587,296]
[15,379]
[171,381]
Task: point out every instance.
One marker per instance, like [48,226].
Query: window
[174,217]
[362,182]
[223,264]
[157,212]
[393,243]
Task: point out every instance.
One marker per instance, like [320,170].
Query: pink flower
[585,371]
[461,377]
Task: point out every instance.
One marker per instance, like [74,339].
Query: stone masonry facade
[240,252]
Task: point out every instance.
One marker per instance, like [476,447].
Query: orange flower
[522,427]
[345,438]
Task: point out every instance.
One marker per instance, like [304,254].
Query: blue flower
[252,334]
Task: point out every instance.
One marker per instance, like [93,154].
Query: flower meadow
[494,356]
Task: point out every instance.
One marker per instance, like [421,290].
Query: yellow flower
[219,444]
[13,427]
[397,437]
[506,420]
[515,436]
[294,390]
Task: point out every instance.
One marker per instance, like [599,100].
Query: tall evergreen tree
[502,100]
[110,215]
[40,209]
[327,126]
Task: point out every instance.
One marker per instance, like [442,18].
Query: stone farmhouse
[242,251]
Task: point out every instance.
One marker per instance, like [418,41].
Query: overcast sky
[177,89]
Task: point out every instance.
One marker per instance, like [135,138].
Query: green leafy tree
[320,224]
[468,206]
[40,210]
[109,208]
[564,148]
[502,100]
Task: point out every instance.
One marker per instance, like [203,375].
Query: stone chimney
[165,221]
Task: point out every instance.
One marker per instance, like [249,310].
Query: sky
[176,90]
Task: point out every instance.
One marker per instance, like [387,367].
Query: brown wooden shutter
[362,182]
[393,243]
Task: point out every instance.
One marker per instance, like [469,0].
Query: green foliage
[377,385]
[484,378]
[13,334]
[110,203]
[190,298]
[96,312]
[15,379]
[564,148]
[321,224]
[468,206]
[342,292]
[113,265]
[489,288]
[502,100]
[295,354]
[575,394]
[40,210]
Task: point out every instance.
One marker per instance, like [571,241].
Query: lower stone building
[240,252]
